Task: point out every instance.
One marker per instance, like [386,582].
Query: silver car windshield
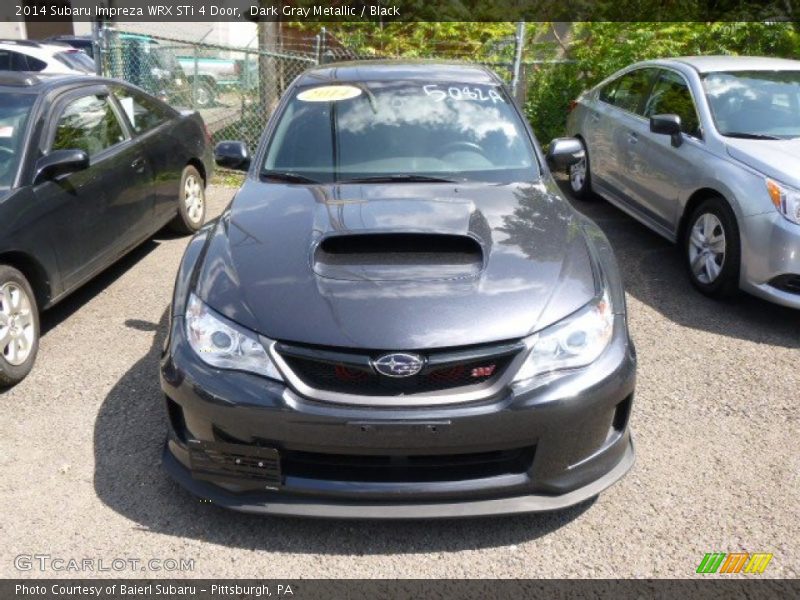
[14,111]
[755,104]
[412,130]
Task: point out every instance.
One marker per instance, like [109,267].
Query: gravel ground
[715,423]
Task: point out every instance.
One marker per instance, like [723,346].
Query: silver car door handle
[594,117]
[633,138]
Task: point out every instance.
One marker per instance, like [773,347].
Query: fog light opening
[176,421]
[621,414]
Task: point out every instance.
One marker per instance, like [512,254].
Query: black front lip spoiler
[275,503]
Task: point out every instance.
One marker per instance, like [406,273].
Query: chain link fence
[236,87]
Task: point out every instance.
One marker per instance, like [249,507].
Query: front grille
[787,283]
[400,469]
[353,373]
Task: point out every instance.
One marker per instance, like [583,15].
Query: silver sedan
[706,152]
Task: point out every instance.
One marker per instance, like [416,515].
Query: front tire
[580,176]
[19,327]
[712,250]
[191,202]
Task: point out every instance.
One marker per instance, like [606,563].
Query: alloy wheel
[194,198]
[17,330]
[577,175]
[707,248]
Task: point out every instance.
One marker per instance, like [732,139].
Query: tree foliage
[591,52]
[598,49]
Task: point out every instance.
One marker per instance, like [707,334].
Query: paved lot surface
[715,423]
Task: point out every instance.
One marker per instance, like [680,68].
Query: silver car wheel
[193,198]
[707,248]
[17,330]
[577,175]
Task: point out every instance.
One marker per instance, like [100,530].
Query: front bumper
[770,256]
[522,450]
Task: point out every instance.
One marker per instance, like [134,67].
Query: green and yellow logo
[735,562]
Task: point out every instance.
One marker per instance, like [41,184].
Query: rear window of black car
[350,131]
[143,113]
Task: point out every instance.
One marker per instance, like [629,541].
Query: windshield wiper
[287,176]
[750,136]
[407,178]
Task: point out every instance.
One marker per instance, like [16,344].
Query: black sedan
[89,169]
[399,315]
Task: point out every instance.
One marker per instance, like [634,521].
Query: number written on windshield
[440,93]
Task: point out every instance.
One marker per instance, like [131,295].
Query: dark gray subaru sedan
[398,315]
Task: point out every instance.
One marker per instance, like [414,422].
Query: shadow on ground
[654,274]
[75,301]
[129,434]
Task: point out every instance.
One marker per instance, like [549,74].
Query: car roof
[21,81]
[37,50]
[395,70]
[707,64]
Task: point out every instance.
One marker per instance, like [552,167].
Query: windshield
[401,130]
[14,110]
[757,104]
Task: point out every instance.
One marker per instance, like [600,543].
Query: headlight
[573,342]
[224,344]
[785,199]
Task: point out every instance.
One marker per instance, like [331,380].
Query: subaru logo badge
[398,364]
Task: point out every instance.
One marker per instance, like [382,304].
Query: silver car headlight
[785,199]
[224,344]
[576,341]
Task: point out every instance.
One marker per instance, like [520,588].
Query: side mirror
[60,162]
[565,152]
[232,155]
[668,125]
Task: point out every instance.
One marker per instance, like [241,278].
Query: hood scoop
[398,257]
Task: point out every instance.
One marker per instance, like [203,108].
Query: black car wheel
[19,327]
[711,248]
[191,202]
[580,176]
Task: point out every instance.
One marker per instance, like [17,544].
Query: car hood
[485,263]
[779,159]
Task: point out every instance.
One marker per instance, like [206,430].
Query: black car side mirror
[565,152]
[60,162]
[668,125]
[232,155]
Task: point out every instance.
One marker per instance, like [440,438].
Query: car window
[755,103]
[607,92]
[451,130]
[671,95]
[88,124]
[76,60]
[14,111]
[14,61]
[630,90]
[143,113]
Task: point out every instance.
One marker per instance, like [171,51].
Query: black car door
[94,214]
[154,125]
